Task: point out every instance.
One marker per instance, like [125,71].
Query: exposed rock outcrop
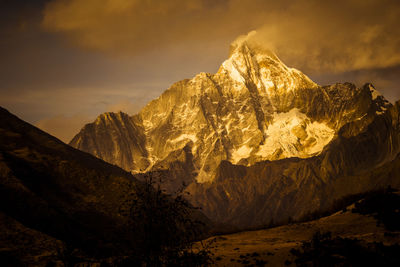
[261,141]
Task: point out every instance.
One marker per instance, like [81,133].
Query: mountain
[278,191]
[255,142]
[59,204]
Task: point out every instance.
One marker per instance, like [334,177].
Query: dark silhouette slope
[53,189]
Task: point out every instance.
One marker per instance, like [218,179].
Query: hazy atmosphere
[65,62]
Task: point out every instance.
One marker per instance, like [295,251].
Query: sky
[64,62]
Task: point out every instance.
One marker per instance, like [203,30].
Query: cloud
[132,26]
[63,127]
[337,36]
[313,36]
[385,80]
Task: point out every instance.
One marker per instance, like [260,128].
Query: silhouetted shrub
[323,250]
[384,206]
[342,203]
[166,229]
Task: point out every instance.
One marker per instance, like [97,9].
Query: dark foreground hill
[62,206]
[52,192]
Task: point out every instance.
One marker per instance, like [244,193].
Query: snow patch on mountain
[375,93]
[242,153]
[249,62]
[184,137]
[293,134]
[232,71]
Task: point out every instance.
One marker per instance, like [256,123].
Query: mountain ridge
[235,130]
[289,188]
[253,112]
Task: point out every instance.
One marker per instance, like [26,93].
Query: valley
[275,246]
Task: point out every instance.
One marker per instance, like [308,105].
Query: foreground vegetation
[324,250]
[167,228]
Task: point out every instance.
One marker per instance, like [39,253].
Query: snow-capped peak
[254,108]
[250,61]
[375,93]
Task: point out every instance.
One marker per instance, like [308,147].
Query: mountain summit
[211,130]
[254,108]
[250,62]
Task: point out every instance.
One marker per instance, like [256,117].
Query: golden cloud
[312,35]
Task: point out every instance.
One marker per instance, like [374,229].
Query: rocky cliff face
[253,112]
[276,191]
[115,138]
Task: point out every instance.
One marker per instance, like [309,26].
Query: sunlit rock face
[253,109]
[115,138]
[252,138]
[234,114]
[363,156]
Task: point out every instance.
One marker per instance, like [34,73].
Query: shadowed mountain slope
[60,197]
